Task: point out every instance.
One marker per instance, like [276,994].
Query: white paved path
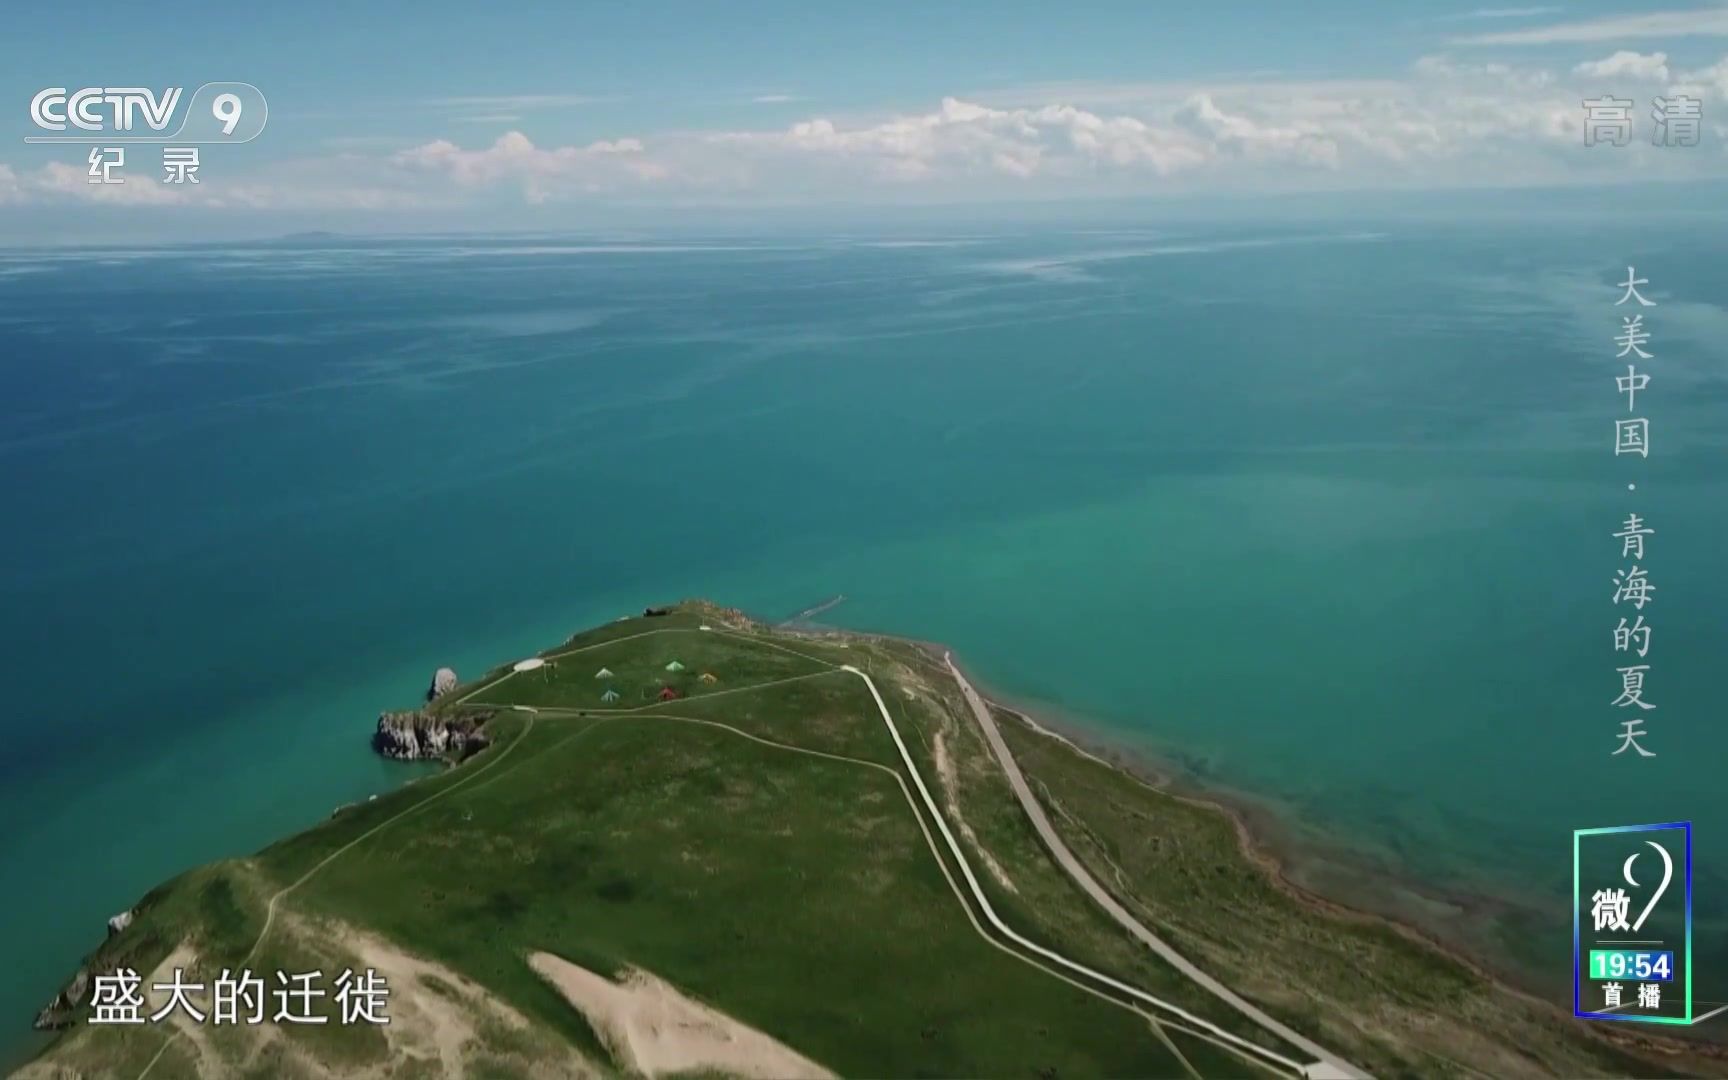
[1326,1065]
[1005,930]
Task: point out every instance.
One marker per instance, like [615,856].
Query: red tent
[668,694]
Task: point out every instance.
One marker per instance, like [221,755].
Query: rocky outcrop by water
[417,736]
[443,681]
[62,1012]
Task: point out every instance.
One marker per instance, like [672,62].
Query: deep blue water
[1323,511]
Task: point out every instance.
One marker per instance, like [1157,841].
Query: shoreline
[1264,838]
[1259,832]
[1268,838]
[1267,835]
[1273,845]
[1256,825]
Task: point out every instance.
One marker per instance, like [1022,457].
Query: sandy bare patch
[437,1018]
[183,959]
[910,681]
[654,1030]
[424,1019]
[950,789]
[437,1013]
[45,1070]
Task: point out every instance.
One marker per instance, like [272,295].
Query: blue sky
[403,116]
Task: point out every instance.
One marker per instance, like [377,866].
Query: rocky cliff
[414,736]
[443,681]
[62,1012]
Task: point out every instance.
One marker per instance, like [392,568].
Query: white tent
[674,666]
[603,673]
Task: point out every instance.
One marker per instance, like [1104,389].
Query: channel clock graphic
[1632,925]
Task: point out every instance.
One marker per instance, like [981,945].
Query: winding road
[1327,1065]
[1021,940]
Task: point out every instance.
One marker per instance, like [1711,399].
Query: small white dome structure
[533,663]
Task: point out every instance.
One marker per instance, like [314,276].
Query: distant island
[688,843]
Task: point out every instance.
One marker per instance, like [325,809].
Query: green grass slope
[760,844]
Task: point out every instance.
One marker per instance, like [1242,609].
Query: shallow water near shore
[1477,921]
[1325,518]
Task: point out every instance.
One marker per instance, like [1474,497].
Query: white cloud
[1485,74]
[1444,123]
[1705,81]
[541,172]
[1627,64]
[1502,13]
[1148,98]
[1235,133]
[1695,22]
[962,138]
[311,195]
[774,99]
[60,179]
[340,183]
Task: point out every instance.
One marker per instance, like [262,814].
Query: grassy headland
[759,843]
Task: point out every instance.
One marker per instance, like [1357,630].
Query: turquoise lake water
[1323,512]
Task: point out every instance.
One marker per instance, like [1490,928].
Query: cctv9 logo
[219,112]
